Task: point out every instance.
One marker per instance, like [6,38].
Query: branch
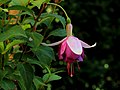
[39,14]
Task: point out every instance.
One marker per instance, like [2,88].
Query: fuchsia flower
[71,49]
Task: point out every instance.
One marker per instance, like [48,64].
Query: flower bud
[69,28]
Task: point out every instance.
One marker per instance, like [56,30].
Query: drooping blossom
[71,49]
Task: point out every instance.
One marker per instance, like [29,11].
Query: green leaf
[47,1]
[25,13]
[10,45]
[38,3]
[35,39]
[14,31]
[4,1]
[62,19]
[18,7]
[2,74]
[34,61]
[48,86]
[47,21]
[46,77]
[38,82]
[19,2]
[44,54]
[54,77]
[58,32]
[51,77]
[26,26]
[9,69]
[7,84]
[5,10]
[20,80]
[1,46]
[27,74]
[29,20]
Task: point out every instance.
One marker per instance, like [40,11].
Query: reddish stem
[39,14]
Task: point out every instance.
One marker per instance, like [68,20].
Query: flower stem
[68,19]
[39,14]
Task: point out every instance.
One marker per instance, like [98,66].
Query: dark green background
[94,21]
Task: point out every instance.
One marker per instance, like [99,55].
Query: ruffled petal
[85,45]
[75,45]
[69,55]
[62,49]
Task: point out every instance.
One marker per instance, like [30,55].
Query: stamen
[78,66]
[72,70]
[68,68]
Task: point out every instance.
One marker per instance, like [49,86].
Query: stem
[2,63]
[1,60]
[78,66]
[41,88]
[23,52]
[48,70]
[5,60]
[36,19]
[68,19]
[53,9]
[28,1]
